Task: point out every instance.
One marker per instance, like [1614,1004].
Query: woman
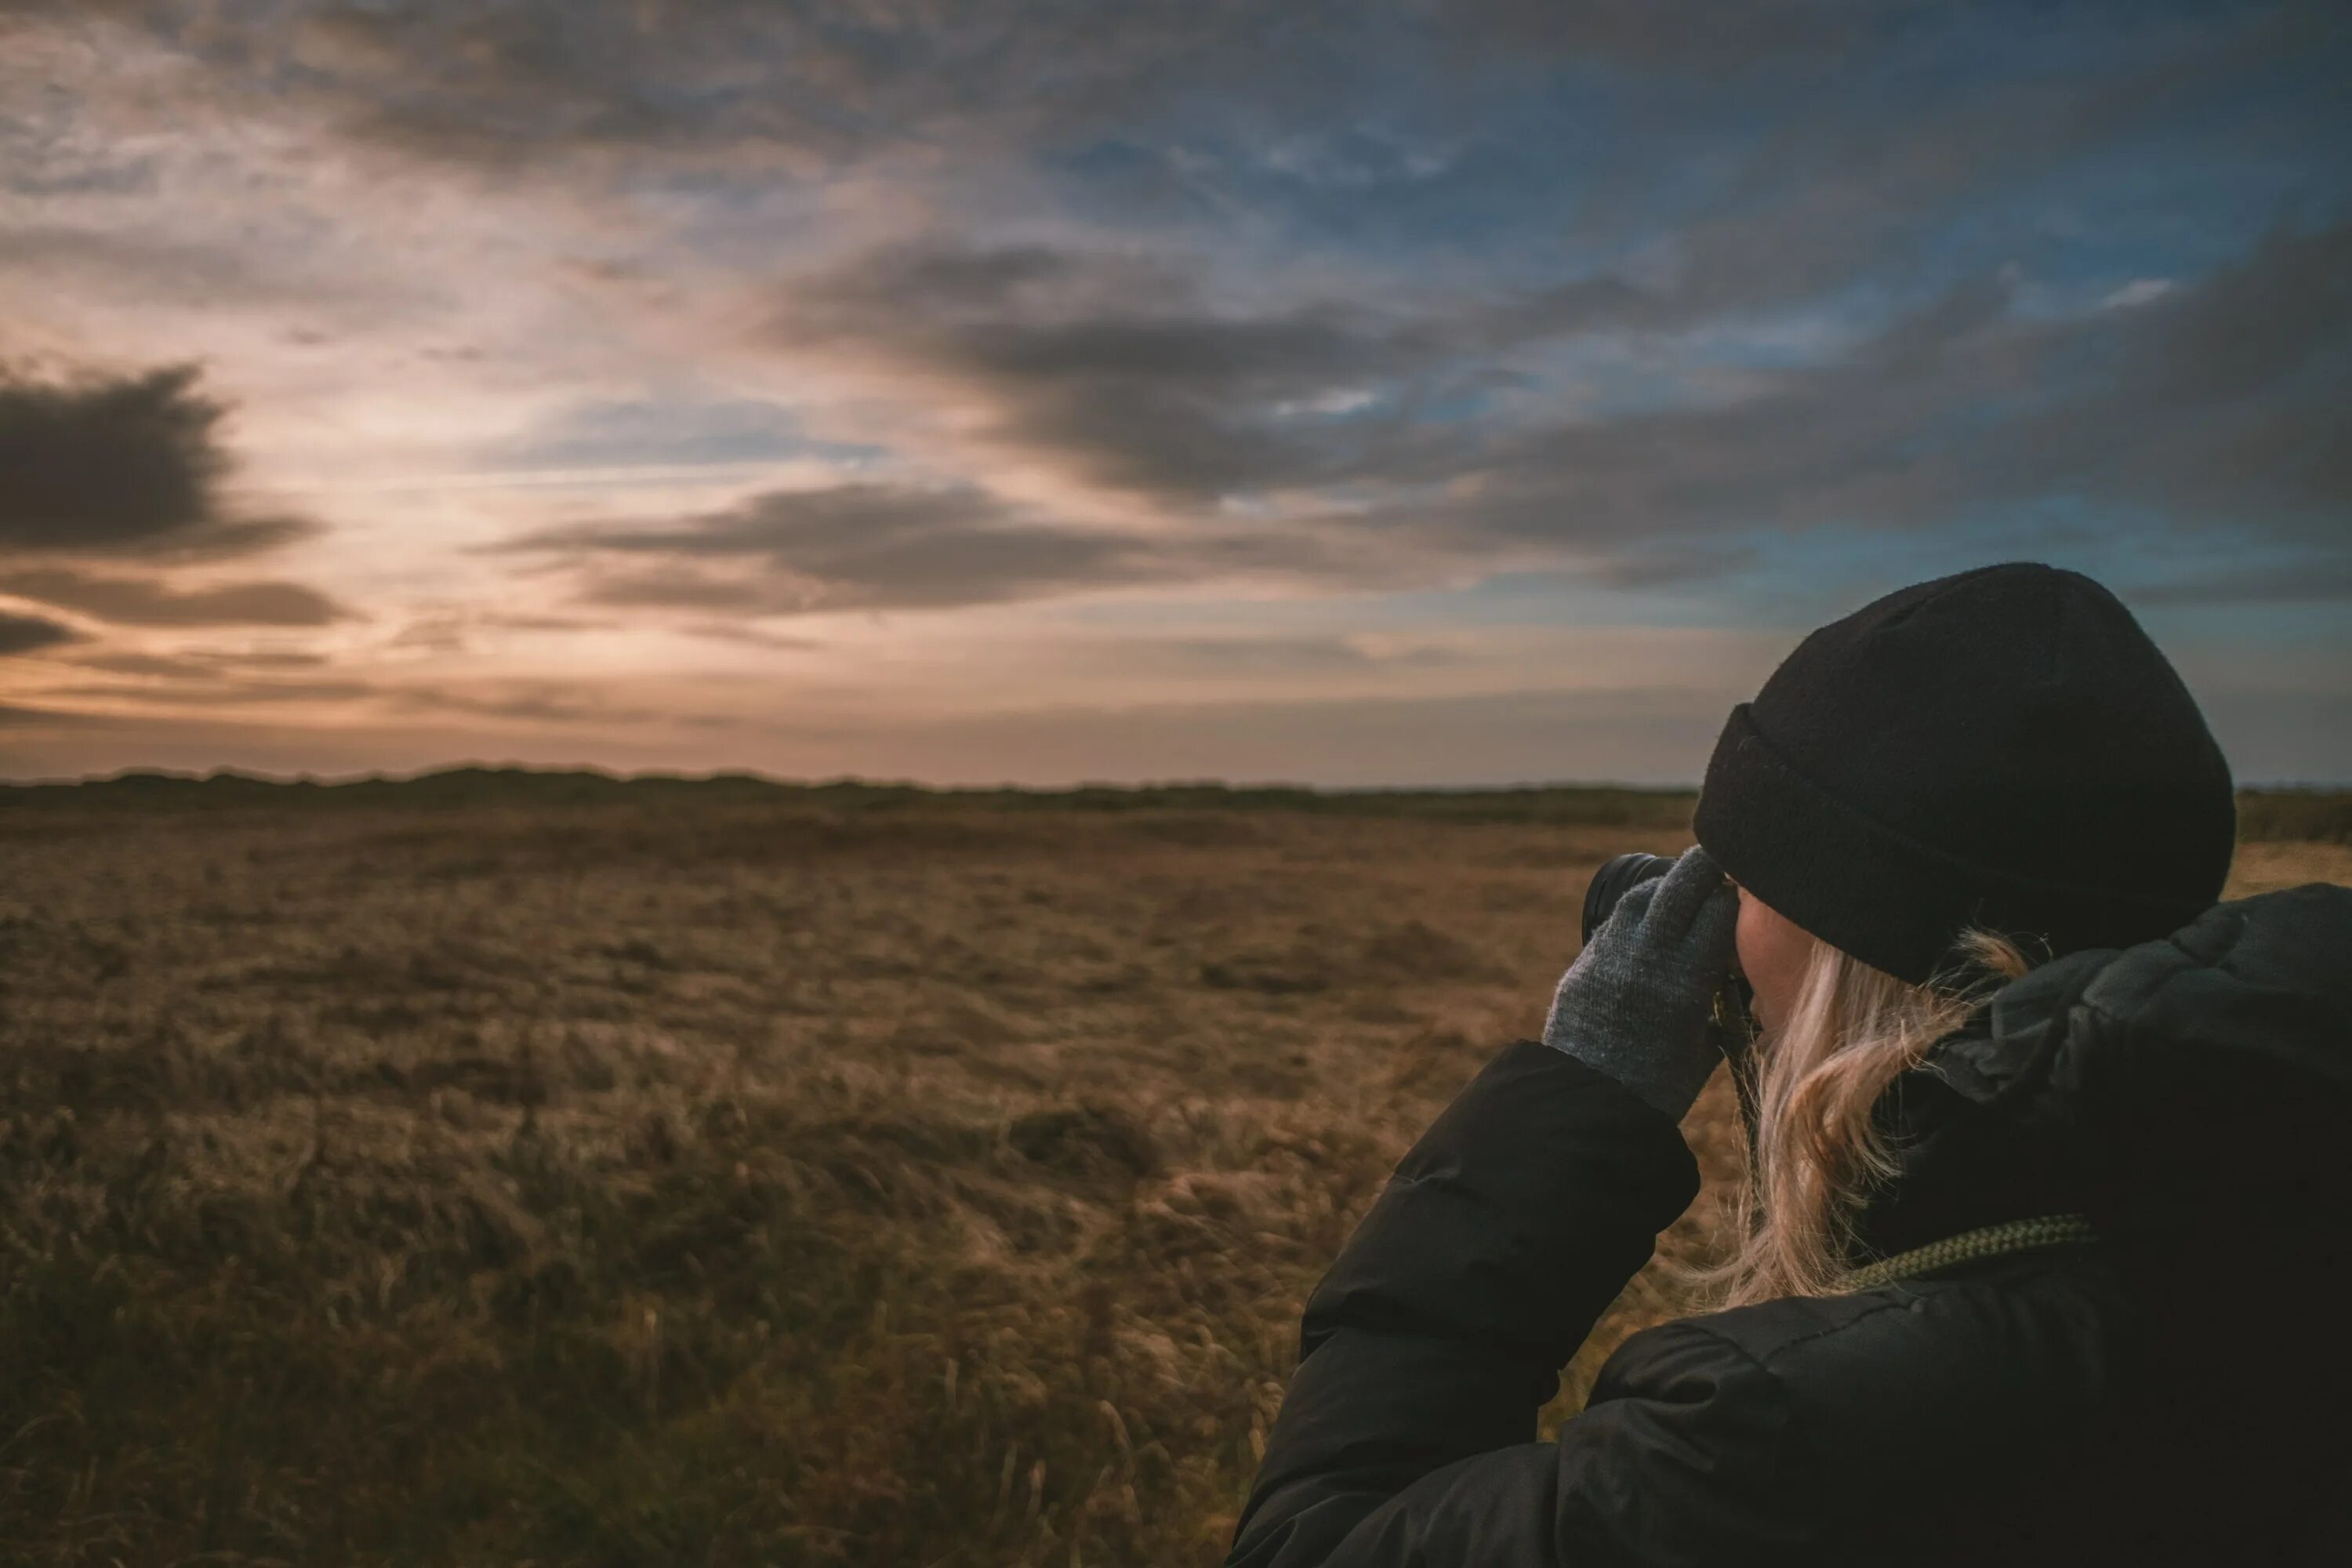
[2045,1259]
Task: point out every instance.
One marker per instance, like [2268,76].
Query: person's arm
[1437,1335]
[1705,1464]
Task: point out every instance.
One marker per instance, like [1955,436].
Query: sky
[1344,392]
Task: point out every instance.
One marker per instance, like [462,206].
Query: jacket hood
[2192,1095]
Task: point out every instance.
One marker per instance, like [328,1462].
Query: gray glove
[1635,1003]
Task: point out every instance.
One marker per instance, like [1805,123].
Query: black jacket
[2178,1392]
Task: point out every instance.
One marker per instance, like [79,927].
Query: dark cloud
[886,546]
[861,546]
[1122,368]
[120,466]
[148,602]
[2216,407]
[1841,182]
[519,82]
[1818,181]
[2218,404]
[2239,395]
[662,587]
[29,634]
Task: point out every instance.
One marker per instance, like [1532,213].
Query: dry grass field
[669,1177]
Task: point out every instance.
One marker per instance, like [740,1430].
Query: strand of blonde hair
[1817,1152]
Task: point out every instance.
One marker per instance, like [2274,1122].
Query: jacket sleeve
[1437,1336]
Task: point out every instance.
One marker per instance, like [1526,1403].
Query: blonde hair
[1816,1152]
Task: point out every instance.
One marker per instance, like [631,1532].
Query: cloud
[1286,656]
[29,634]
[2139,291]
[538,702]
[2227,394]
[161,266]
[662,587]
[195,690]
[221,679]
[2216,407]
[124,465]
[1703,36]
[1360,437]
[678,431]
[853,546]
[810,85]
[515,85]
[751,637]
[544,703]
[1123,368]
[145,602]
[456,630]
[1808,193]
[13,717]
[2229,404]
[194,664]
[877,545]
[2327,580]
[229,686]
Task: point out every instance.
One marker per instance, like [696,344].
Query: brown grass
[763,1182]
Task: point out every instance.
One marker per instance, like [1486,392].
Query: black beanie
[2004,748]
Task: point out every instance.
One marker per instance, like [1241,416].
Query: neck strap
[1991,1241]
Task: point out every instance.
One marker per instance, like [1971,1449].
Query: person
[2045,1250]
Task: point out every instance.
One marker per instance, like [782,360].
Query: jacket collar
[1982,1130]
[2187,1094]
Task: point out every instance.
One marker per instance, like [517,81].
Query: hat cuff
[1873,891]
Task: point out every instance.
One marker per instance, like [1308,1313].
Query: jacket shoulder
[1887,1399]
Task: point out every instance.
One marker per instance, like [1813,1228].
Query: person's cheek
[1750,938]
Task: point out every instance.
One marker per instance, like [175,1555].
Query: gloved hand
[1636,1003]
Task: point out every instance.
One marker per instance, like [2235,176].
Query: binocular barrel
[1616,878]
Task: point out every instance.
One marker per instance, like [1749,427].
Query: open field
[729,1175]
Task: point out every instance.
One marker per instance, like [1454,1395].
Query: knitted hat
[2004,747]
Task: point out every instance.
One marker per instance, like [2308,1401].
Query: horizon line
[835,781]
